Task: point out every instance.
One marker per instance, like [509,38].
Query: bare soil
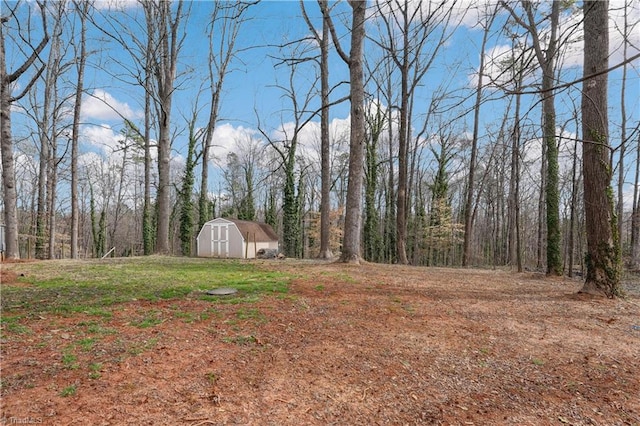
[354,345]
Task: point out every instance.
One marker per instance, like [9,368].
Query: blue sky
[251,85]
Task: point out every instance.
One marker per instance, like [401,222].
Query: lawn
[138,341]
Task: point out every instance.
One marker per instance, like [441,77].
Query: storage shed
[234,238]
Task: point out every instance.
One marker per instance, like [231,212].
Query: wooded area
[513,168]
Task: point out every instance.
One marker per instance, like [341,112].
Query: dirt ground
[348,345]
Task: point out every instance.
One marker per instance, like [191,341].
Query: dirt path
[348,345]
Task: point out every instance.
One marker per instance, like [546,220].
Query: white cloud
[494,68]
[101,105]
[102,137]
[226,137]
[571,33]
[116,4]
[464,12]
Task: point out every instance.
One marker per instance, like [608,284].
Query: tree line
[400,182]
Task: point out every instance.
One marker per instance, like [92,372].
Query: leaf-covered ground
[372,344]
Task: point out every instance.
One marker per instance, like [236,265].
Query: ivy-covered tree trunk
[372,238]
[547,61]
[290,218]
[247,208]
[271,210]
[186,202]
[603,249]
[545,46]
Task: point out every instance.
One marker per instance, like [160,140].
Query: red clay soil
[348,345]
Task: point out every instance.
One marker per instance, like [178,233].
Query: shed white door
[220,239]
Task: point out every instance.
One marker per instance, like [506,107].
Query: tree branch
[571,83]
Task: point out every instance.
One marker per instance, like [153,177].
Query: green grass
[95,368]
[69,391]
[537,361]
[12,325]
[143,346]
[149,319]
[87,343]
[251,314]
[92,286]
[69,360]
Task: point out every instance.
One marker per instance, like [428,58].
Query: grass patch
[91,286]
[69,391]
[12,325]
[69,361]
[537,361]
[150,319]
[94,370]
[87,344]
[251,314]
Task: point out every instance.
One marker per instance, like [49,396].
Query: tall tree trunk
[401,205]
[547,61]
[186,203]
[515,257]
[82,8]
[353,214]
[541,231]
[371,236]
[41,206]
[12,250]
[325,145]
[572,214]
[468,206]
[603,249]
[226,20]
[635,215]
[52,185]
[515,253]
[48,128]
[623,131]
[167,42]
[390,233]
[546,54]
[148,233]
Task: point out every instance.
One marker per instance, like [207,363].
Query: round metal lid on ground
[223,291]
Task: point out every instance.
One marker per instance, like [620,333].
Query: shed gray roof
[262,232]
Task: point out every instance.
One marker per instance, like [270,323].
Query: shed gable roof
[259,231]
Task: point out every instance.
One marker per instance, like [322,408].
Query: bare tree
[226,21]
[635,214]
[167,41]
[353,214]
[468,207]
[188,180]
[603,247]
[6,100]
[418,24]
[82,9]
[546,54]
[287,148]
[325,147]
